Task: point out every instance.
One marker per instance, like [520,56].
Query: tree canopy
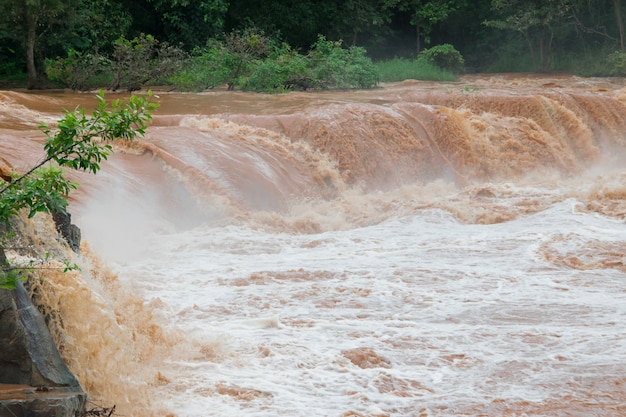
[492,35]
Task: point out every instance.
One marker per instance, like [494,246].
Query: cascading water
[421,249]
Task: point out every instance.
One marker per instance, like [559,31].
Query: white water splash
[417,315]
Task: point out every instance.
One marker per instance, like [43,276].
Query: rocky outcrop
[34,379]
[26,401]
[69,231]
[29,357]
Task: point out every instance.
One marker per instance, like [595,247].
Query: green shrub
[79,71]
[332,66]
[267,76]
[203,69]
[243,50]
[133,64]
[282,71]
[445,56]
[143,59]
[296,70]
[360,70]
[617,63]
[251,61]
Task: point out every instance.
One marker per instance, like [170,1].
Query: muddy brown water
[420,249]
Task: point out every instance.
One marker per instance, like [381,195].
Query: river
[420,249]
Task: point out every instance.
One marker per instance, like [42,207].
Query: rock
[24,401]
[69,231]
[41,348]
[15,364]
[29,357]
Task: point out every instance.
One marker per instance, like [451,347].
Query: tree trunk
[31,37]
[617,5]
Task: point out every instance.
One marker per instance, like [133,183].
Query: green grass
[400,69]
[591,63]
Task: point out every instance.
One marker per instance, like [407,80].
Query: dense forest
[51,39]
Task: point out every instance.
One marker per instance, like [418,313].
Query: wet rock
[29,357]
[69,231]
[24,401]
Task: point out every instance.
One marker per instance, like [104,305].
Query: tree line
[580,36]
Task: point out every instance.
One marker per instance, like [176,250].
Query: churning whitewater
[421,249]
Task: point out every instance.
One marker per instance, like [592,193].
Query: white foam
[461,315]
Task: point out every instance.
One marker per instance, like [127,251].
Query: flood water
[421,249]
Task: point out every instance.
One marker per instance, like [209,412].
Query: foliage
[96,24]
[79,141]
[444,56]
[132,64]
[248,60]
[27,20]
[203,69]
[535,20]
[594,62]
[617,63]
[79,71]
[9,277]
[333,66]
[354,19]
[11,74]
[327,66]
[425,15]
[191,22]
[242,51]
[294,22]
[512,35]
[400,69]
[143,59]
[251,61]
[284,70]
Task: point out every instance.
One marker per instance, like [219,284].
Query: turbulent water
[420,249]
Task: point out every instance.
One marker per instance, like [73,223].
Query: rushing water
[421,249]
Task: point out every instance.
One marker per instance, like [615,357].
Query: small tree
[81,142]
[203,69]
[617,63]
[242,49]
[79,71]
[444,56]
[425,15]
[333,66]
[143,59]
